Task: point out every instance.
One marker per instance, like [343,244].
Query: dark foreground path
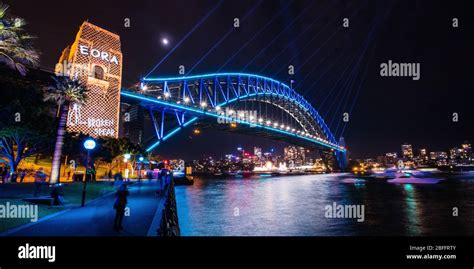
[97,217]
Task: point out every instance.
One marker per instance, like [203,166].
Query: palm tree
[64,93]
[15,45]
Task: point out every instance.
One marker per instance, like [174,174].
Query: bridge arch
[193,98]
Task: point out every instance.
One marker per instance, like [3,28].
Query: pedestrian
[13,177]
[40,178]
[119,205]
[118,177]
[22,175]
[3,174]
[163,177]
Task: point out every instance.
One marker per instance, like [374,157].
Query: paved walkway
[97,217]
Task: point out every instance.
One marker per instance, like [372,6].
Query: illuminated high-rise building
[295,154]
[95,59]
[466,147]
[422,158]
[466,154]
[289,152]
[454,153]
[390,158]
[257,152]
[407,152]
[438,158]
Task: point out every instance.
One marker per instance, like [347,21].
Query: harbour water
[296,206]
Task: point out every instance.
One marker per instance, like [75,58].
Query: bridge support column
[342,161]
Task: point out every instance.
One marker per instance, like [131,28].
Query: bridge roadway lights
[211,114]
[217,90]
[268,86]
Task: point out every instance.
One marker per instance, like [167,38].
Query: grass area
[14,193]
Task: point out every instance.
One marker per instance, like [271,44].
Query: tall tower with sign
[95,59]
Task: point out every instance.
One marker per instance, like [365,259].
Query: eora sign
[98,54]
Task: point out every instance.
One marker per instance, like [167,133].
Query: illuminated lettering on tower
[95,58]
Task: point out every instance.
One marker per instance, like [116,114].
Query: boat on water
[416,177]
[180,178]
[414,180]
[396,176]
[353,180]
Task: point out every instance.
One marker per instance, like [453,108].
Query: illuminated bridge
[234,102]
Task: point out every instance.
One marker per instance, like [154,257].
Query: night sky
[337,69]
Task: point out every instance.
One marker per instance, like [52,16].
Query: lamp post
[140,163]
[89,145]
[126,157]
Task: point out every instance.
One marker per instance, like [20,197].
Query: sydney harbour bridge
[234,102]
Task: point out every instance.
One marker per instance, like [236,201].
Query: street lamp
[126,157]
[89,145]
[140,163]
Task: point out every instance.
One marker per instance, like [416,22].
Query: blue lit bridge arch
[276,111]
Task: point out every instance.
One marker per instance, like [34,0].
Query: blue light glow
[199,111]
[89,144]
[215,75]
[171,134]
[292,95]
[153,146]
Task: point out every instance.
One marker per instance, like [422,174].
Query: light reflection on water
[295,206]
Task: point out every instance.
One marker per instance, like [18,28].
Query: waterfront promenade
[96,218]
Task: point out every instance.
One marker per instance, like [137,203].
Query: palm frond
[66,90]
[16,50]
